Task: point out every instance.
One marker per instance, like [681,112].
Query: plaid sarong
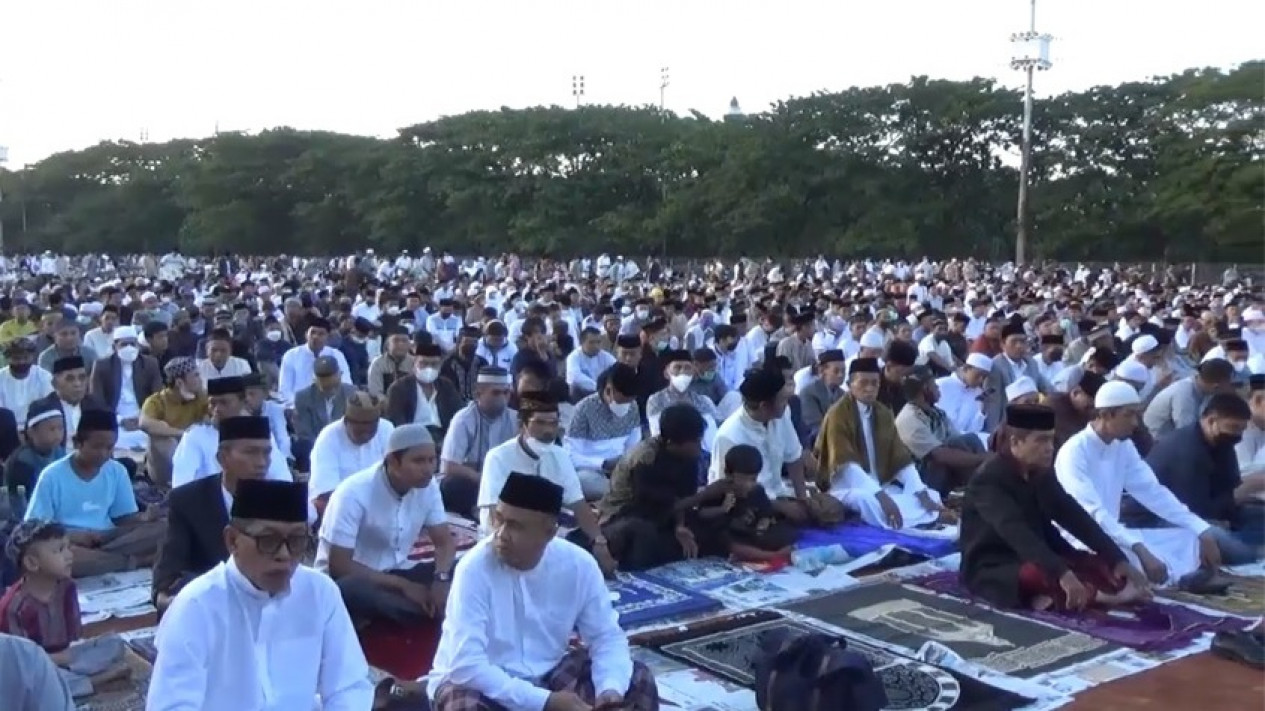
[574,673]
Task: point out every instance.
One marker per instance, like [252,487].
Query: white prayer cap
[1144,344]
[980,361]
[871,339]
[1131,370]
[124,333]
[1253,314]
[1023,386]
[1116,394]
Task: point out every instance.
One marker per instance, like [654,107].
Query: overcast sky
[73,73]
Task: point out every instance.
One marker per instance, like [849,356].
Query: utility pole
[577,88]
[1032,55]
[664,83]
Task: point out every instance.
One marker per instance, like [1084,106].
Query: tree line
[1169,168]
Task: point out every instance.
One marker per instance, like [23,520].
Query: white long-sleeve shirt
[961,404]
[225,645]
[583,370]
[335,457]
[195,458]
[297,373]
[1097,474]
[505,628]
[17,394]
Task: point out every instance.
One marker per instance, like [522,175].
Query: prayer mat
[699,574]
[1148,627]
[125,694]
[859,539]
[732,650]
[465,534]
[1246,597]
[144,647]
[905,617]
[404,652]
[640,601]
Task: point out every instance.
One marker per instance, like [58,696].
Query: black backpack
[814,672]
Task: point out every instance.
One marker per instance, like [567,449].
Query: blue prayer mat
[640,601]
[700,574]
[859,539]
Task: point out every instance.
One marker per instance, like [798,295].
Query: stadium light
[1031,54]
[577,88]
[664,82]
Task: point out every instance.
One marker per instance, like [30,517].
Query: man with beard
[947,458]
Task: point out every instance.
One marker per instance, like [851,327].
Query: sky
[76,72]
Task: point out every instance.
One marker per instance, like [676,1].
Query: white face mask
[274,335]
[643,313]
[682,382]
[620,409]
[393,310]
[536,446]
[427,375]
[129,354]
[1240,365]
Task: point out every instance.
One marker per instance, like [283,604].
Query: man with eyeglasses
[259,630]
[195,517]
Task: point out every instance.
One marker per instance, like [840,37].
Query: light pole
[4,158]
[1032,54]
[577,88]
[664,82]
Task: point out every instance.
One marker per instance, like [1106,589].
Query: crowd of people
[273,435]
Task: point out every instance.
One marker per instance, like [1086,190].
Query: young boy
[43,606]
[753,528]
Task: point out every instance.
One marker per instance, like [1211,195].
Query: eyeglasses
[298,545]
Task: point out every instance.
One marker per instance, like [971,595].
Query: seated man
[678,370]
[824,391]
[1197,463]
[1099,465]
[169,413]
[197,512]
[424,399]
[197,454]
[373,519]
[947,457]
[605,426]
[259,404]
[89,493]
[318,404]
[45,432]
[863,463]
[352,443]
[650,514]
[1179,404]
[1012,553]
[478,427]
[1251,451]
[534,451]
[499,651]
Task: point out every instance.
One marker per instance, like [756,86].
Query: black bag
[814,672]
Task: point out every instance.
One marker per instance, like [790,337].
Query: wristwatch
[443,577]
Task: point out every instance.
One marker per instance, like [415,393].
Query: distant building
[735,114]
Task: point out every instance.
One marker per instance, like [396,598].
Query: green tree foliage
[1166,169]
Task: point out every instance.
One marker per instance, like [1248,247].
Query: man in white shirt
[373,520]
[297,365]
[259,631]
[444,325]
[516,600]
[586,363]
[196,454]
[356,441]
[960,393]
[21,383]
[1251,451]
[1098,465]
[534,451]
[219,361]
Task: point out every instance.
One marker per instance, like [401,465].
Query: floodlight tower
[1031,54]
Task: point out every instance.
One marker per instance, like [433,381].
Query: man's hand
[728,504]
[1076,592]
[419,595]
[609,700]
[439,597]
[566,701]
[151,513]
[131,424]
[717,488]
[891,512]
[1209,550]
[1127,575]
[605,560]
[928,503]
[689,546]
[87,539]
[1155,570]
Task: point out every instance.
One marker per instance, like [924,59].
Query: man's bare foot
[1042,602]
[1130,594]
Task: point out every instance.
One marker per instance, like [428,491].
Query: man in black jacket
[198,511]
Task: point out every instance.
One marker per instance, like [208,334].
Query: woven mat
[1246,597]
[124,694]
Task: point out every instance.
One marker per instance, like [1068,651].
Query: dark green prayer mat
[728,648]
[906,617]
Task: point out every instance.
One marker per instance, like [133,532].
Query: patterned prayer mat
[640,601]
[730,651]
[1149,627]
[1245,598]
[859,539]
[125,694]
[700,574]
[464,532]
[905,617]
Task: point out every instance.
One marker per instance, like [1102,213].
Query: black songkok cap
[533,493]
[833,355]
[761,384]
[1256,382]
[863,365]
[227,385]
[1037,418]
[428,350]
[1012,329]
[235,428]
[1050,339]
[677,356]
[902,353]
[97,421]
[320,323]
[252,380]
[628,341]
[61,365]
[536,401]
[270,500]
